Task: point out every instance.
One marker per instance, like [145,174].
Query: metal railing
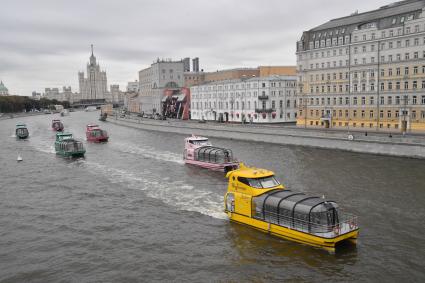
[347,223]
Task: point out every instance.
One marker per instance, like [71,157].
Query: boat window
[266,182]
[199,142]
[244,181]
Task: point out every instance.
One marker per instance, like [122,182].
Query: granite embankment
[374,143]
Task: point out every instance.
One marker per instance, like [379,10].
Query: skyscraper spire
[92,58]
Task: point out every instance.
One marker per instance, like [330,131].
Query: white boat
[19,158]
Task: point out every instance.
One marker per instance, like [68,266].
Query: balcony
[263,97]
[265,110]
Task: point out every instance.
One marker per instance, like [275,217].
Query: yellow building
[365,71]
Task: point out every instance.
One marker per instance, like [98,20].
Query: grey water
[131,211]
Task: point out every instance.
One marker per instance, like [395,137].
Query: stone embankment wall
[375,143]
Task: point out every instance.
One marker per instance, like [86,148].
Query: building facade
[365,71]
[94,86]
[153,81]
[133,86]
[3,89]
[65,95]
[258,100]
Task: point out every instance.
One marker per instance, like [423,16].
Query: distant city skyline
[49,43]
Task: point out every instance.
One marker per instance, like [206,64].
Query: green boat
[67,146]
[21,131]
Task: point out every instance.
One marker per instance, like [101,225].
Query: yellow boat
[256,198]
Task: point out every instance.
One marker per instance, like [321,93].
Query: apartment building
[258,100]
[365,71]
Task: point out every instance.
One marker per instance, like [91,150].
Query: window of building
[381,102]
[414,99]
[406,85]
[397,100]
[397,85]
[372,100]
[389,100]
[406,70]
[371,114]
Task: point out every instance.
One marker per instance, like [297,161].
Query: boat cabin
[214,154]
[57,125]
[21,130]
[296,211]
[95,133]
[64,137]
[65,143]
[196,141]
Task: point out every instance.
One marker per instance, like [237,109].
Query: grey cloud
[44,43]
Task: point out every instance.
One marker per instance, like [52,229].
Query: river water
[131,211]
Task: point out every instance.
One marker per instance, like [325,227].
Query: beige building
[153,81]
[365,71]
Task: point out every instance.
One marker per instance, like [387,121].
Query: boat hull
[22,137]
[100,139]
[213,166]
[294,235]
[71,154]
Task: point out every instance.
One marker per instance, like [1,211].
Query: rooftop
[392,9]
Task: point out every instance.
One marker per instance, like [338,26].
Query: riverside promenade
[374,143]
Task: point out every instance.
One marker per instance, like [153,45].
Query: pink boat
[96,134]
[199,151]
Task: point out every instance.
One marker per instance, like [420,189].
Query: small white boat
[19,158]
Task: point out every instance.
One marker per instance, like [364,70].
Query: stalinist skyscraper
[95,85]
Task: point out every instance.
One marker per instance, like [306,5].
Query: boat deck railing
[346,223]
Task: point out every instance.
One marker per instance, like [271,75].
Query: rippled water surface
[132,211]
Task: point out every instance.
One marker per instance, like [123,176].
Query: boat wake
[149,152]
[173,193]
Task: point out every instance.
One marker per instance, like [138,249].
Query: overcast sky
[44,43]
